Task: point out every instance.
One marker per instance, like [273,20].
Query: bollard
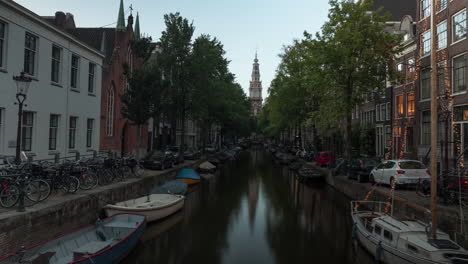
[21,194]
[77,155]
[95,153]
[57,157]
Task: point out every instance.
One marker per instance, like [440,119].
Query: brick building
[452,46]
[117,134]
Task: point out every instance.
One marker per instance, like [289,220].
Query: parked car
[325,157]
[159,160]
[192,154]
[360,169]
[339,166]
[400,171]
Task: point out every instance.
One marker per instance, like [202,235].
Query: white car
[403,171]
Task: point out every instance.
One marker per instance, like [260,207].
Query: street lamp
[22,87]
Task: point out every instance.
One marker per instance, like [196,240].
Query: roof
[397,8]
[94,37]
[47,22]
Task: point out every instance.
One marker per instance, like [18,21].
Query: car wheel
[371,179]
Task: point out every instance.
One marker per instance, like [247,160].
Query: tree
[355,48]
[176,43]
[137,101]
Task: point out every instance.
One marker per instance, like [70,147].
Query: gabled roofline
[39,20]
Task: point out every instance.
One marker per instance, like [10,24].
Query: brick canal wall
[406,203]
[57,216]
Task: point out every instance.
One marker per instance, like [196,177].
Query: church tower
[256,88]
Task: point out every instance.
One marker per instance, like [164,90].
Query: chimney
[60,19]
[70,21]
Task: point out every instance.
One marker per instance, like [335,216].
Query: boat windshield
[443,244]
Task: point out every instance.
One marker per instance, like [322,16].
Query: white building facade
[62,112]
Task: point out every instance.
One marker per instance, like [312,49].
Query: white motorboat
[395,240]
[153,206]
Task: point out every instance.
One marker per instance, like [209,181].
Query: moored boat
[401,240]
[106,242]
[190,176]
[153,206]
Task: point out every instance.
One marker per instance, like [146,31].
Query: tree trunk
[139,143]
[156,131]
[348,124]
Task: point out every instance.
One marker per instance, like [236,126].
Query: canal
[254,211]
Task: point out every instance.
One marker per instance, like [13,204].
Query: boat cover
[188,174]
[207,166]
[174,187]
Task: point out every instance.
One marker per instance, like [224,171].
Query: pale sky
[241,25]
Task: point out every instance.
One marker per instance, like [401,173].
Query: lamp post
[22,87]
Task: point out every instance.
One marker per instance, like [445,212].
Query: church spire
[256,88]
[121,17]
[137,27]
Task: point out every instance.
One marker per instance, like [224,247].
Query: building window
[459,74]
[383,113]
[110,112]
[399,106]
[72,132]
[400,67]
[27,131]
[459,26]
[92,69]
[442,4]
[426,42]
[442,35]
[388,136]
[89,132]
[426,128]
[2,43]
[425,84]
[53,131]
[442,77]
[388,111]
[410,103]
[75,67]
[30,48]
[411,65]
[378,113]
[425,8]
[56,57]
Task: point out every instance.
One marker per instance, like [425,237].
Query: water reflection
[254,212]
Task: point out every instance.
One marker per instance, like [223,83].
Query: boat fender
[378,251]
[353,231]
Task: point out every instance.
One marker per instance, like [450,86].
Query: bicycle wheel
[71,184]
[117,174]
[88,180]
[9,196]
[138,170]
[104,177]
[44,189]
[31,192]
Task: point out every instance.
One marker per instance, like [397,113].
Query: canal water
[254,211]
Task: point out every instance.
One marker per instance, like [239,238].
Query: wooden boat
[153,206]
[395,240]
[106,242]
[190,176]
[206,167]
[172,187]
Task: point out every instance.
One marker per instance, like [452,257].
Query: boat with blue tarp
[190,176]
